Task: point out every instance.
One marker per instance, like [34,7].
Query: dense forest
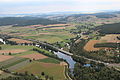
[95,72]
[25,21]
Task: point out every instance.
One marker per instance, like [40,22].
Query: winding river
[68,58]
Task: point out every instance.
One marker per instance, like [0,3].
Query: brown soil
[90,45]
[34,56]
[12,51]
[4,57]
[19,40]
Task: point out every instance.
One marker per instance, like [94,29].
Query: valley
[71,50]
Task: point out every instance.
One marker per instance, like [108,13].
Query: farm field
[55,70]
[111,38]
[12,62]
[50,60]
[3,58]
[12,51]
[50,33]
[107,40]
[34,56]
[30,61]
[19,40]
[90,45]
[9,47]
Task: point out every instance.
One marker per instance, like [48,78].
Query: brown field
[12,51]
[19,40]
[4,58]
[35,56]
[112,38]
[90,45]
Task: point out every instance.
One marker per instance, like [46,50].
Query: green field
[54,70]
[49,60]
[11,62]
[54,35]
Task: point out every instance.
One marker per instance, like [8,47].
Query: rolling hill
[25,21]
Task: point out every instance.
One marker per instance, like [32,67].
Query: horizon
[50,6]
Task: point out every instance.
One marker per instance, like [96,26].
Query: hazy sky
[43,6]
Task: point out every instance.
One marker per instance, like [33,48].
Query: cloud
[37,6]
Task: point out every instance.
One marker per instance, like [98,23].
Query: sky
[45,6]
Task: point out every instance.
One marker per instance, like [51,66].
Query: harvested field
[35,56]
[90,45]
[12,51]
[4,58]
[111,38]
[19,40]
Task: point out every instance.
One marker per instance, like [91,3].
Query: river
[68,58]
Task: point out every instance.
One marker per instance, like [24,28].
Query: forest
[95,72]
[109,28]
[26,21]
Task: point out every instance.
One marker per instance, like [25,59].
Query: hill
[109,28]
[25,21]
